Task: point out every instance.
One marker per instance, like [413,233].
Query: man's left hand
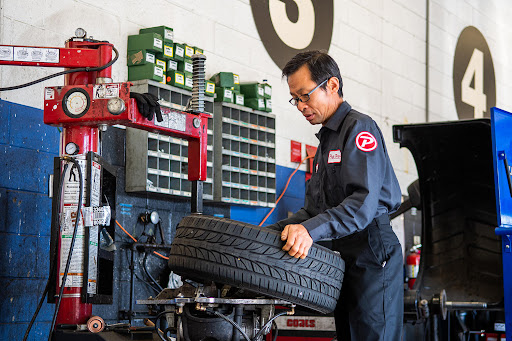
[298,240]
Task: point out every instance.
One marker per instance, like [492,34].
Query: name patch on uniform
[366,141]
[334,156]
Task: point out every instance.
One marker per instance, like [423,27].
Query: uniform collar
[336,119]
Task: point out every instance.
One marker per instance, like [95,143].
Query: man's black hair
[320,64]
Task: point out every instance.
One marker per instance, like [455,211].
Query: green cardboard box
[172,65]
[163,65]
[139,57]
[255,103]
[179,52]
[267,90]
[148,41]
[223,79]
[176,78]
[189,51]
[268,105]
[167,54]
[145,71]
[209,88]
[236,82]
[165,32]
[252,90]
[197,50]
[186,65]
[188,81]
[239,98]
[224,95]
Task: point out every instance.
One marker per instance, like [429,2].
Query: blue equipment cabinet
[501,123]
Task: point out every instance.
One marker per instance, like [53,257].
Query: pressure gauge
[76,103]
[80,33]
[72,148]
[116,106]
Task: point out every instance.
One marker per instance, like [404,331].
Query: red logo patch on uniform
[366,141]
[334,156]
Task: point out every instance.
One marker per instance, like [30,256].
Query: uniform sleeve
[363,168]
[297,218]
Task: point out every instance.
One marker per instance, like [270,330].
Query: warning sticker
[72,182]
[93,260]
[36,54]
[6,52]
[106,91]
[95,183]
[49,93]
[76,269]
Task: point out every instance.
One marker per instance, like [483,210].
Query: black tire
[250,257]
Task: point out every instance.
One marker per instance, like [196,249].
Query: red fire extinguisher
[413,264]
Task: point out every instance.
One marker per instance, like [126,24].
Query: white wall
[378,44]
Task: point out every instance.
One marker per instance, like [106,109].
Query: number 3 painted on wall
[297,35]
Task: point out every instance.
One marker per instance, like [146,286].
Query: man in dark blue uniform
[349,197]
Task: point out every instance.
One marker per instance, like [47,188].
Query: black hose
[65,72]
[144,265]
[255,338]
[274,337]
[158,317]
[52,264]
[233,323]
[68,262]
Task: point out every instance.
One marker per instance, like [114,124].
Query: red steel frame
[84,132]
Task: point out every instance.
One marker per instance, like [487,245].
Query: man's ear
[333,84]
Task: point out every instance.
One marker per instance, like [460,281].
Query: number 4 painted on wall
[475,96]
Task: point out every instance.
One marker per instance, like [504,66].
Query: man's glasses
[304,98]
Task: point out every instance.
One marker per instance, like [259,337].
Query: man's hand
[298,240]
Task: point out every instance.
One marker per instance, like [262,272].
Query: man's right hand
[298,240]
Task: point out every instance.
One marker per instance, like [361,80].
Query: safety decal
[334,156]
[366,141]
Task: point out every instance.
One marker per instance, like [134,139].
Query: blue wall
[292,200]
[27,149]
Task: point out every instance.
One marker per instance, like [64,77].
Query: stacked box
[176,78]
[268,105]
[252,90]
[209,88]
[224,95]
[139,57]
[267,90]
[146,71]
[179,52]
[255,103]
[189,51]
[172,65]
[168,52]
[163,65]
[223,79]
[148,41]
[186,65]
[188,81]
[236,82]
[165,32]
[238,98]
[197,50]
